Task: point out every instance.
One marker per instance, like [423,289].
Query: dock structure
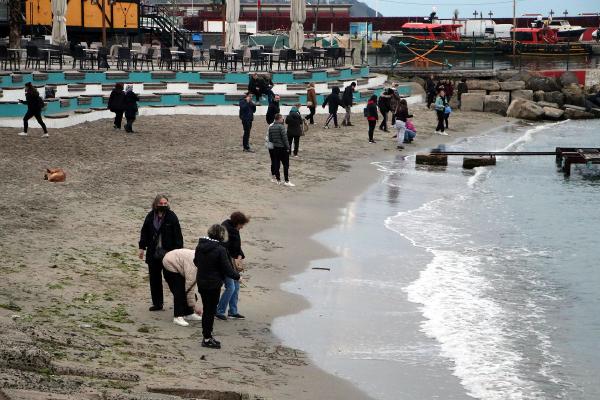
[565,157]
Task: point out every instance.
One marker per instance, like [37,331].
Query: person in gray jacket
[281,150]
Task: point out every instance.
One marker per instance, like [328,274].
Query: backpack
[365,112]
[41,102]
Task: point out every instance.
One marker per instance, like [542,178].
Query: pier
[565,157]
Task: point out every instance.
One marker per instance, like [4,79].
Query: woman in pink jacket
[180,274]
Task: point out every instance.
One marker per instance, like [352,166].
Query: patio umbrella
[297,16]
[59,21]
[232,30]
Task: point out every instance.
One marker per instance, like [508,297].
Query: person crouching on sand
[214,265]
[180,273]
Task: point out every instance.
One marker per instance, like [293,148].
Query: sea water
[456,284]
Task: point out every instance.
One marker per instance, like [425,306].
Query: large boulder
[497,103]
[574,95]
[547,104]
[538,95]
[568,78]
[553,113]
[543,83]
[525,109]
[522,94]
[555,97]
[522,75]
[504,75]
[576,112]
[512,85]
[419,80]
[483,85]
[472,102]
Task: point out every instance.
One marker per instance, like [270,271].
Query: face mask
[162,208]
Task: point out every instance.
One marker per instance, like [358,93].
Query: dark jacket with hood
[294,123]
[347,97]
[384,102]
[247,110]
[272,111]
[234,244]
[333,100]
[213,263]
[34,102]
[170,231]
[116,101]
[131,107]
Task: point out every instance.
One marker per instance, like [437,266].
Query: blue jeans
[229,297]
[409,135]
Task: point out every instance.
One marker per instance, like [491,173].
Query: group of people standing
[216,262]
[123,102]
[439,94]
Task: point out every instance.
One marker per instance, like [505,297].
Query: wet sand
[72,283]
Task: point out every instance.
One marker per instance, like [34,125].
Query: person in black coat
[35,105]
[294,128]
[116,104]
[334,101]
[131,108]
[160,234]
[247,110]
[265,86]
[347,100]
[253,86]
[273,110]
[237,220]
[430,91]
[214,266]
[384,108]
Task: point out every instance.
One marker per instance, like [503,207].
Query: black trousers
[129,125]
[332,117]
[38,117]
[440,119]
[430,98]
[371,129]
[446,116]
[383,124]
[281,156]
[155,269]
[118,118]
[210,300]
[295,140]
[272,157]
[176,284]
[247,125]
[311,117]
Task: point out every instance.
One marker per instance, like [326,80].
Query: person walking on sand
[371,114]
[440,105]
[35,105]
[334,101]
[131,108]
[116,104]
[247,110]
[273,109]
[461,89]
[311,102]
[160,234]
[281,150]
[347,100]
[180,274]
[214,265]
[384,108]
[294,128]
[237,220]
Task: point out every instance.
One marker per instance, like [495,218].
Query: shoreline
[91,294]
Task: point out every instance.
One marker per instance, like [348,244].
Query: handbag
[447,110]
[268,143]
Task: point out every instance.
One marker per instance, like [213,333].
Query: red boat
[536,35]
[543,41]
[421,30]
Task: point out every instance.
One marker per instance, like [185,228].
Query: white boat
[566,32]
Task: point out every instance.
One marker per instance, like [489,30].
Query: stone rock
[547,104]
[595,111]
[522,94]
[472,102]
[512,85]
[543,83]
[574,95]
[480,161]
[525,109]
[431,159]
[577,113]
[555,97]
[568,78]
[497,103]
[553,113]
[483,85]
[523,75]
[505,75]
[418,80]
[478,91]
[538,95]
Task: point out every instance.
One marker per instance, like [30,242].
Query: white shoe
[290,184]
[274,180]
[442,133]
[180,321]
[22,133]
[45,135]
[193,317]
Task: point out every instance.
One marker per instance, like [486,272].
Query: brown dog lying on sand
[55,175]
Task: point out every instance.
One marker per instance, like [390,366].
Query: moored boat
[543,41]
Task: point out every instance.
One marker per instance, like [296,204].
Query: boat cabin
[424,31]
[535,35]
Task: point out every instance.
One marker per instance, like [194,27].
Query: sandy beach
[72,284]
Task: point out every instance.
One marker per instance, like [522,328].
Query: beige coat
[181,261]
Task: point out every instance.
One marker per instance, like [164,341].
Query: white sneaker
[180,321]
[45,135]
[22,133]
[274,180]
[193,317]
[290,184]
[442,133]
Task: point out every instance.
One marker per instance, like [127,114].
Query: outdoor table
[50,51]
[270,57]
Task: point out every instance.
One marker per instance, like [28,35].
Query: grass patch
[55,286]
[10,306]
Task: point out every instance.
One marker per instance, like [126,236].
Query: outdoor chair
[286,56]
[350,56]
[6,58]
[331,54]
[318,58]
[257,59]
[239,57]
[35,57]
[306,58]
[166,58]
[216,57]
[186,57]
[147,58]
[102,57]
[123,57]
[55,57]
